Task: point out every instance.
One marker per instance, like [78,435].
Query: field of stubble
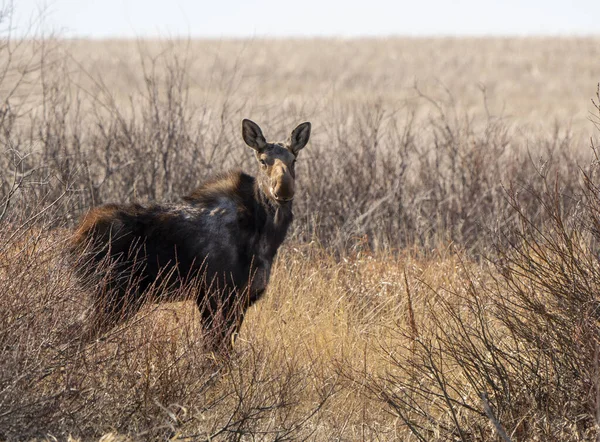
[441,280]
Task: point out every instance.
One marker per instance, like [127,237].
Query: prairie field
[441,280]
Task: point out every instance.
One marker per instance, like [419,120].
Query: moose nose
[281,196]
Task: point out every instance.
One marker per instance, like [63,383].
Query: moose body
[222,238]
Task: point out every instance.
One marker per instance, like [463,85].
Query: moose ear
[253,136]
[299,137]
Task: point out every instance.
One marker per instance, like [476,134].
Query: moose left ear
[299,137]
[252,135]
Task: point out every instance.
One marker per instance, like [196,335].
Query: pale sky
[305,18]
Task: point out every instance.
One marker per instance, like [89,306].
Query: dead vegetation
[441,282]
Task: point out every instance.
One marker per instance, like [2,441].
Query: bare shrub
[512,350]
[376,175]
[398,182]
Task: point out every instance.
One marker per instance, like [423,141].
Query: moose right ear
[253,136]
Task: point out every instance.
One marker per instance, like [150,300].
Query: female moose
[223,238]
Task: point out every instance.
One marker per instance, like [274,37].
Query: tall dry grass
[440,282]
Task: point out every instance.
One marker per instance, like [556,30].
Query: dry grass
[294,371]
[339,349]
[535,81]
[441,281]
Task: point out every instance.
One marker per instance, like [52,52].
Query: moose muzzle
[282,183]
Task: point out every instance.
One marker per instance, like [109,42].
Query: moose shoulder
[223,237]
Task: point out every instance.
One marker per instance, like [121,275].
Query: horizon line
[415,36]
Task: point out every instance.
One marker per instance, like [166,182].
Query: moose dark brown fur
[223,238]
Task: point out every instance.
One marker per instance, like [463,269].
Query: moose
[221,240]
